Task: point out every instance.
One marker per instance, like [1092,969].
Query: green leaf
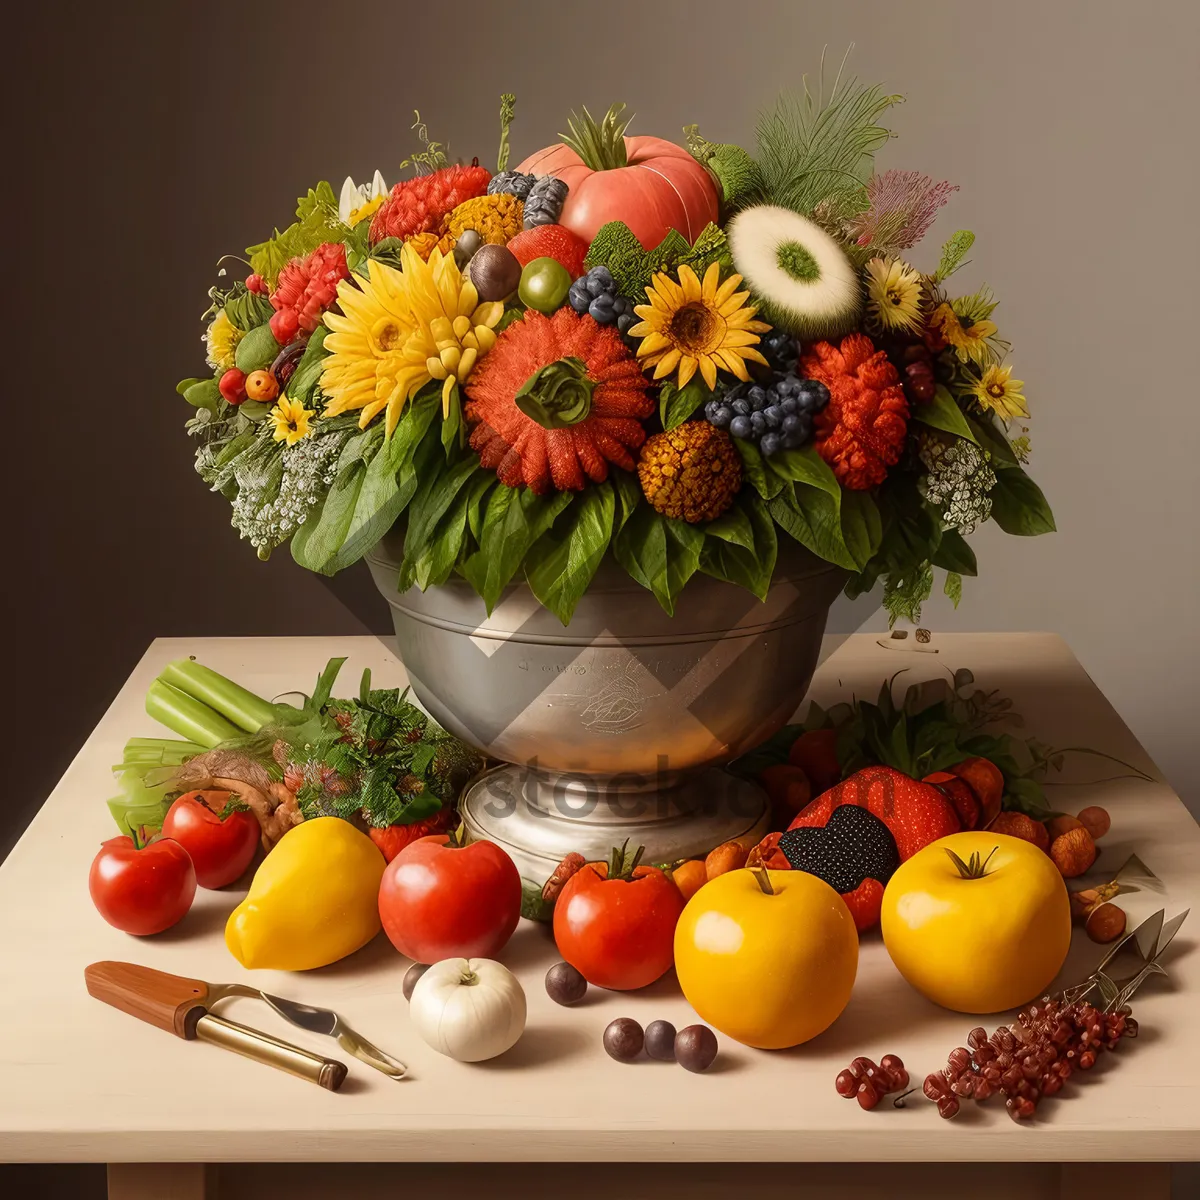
[316,543]
[862,526]
[676,405]
[1018,505]
[442,550]
[658,552]
[806,466]
[561,563]
[514,519]
[765,481]
[316,222]
[484,482]
[439,487]
[955,555]
[734,525]
[942,412]
[953,252]
[811,516]
[200,393]
[308,370]
[249,310]
[257,350]
[995,443]
[746,565]
[316,198]
[453,429]
[629,494]
[953,587]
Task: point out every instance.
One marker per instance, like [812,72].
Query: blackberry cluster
[596,294]
[1034,1058]
[776,416]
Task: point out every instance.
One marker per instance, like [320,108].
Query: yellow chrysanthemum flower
[291,420]
[222,340]
[1000,393]
[894,294]
[969,341]
[691,325]
[398,330]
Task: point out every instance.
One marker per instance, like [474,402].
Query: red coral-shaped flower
[422,204]
[860,432]
[305,289]
[521,450]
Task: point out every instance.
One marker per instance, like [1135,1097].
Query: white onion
[468,1009]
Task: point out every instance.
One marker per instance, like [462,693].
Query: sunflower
[691,324]
[1000,393]
[291,420]
[969,341]
[894,295]
[221,341]
[398,330]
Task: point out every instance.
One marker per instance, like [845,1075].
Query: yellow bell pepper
[314,900]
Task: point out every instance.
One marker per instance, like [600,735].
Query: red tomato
[618,933]
[142,891]
[441,901]
[220,845]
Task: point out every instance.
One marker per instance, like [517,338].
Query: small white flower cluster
[309,469]
[958,482]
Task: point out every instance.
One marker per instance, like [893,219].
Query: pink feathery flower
[902,207]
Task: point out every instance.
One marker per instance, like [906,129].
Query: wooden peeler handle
[171,1002]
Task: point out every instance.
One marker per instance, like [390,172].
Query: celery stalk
[188,717]
[157,752]
[246,710]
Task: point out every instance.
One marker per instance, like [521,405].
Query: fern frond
[812,149]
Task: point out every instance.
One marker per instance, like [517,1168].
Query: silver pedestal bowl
[615,726]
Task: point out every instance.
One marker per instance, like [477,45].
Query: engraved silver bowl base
[539,818]
[616,725]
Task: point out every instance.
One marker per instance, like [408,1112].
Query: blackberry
[544,203]
[776,415]
[596,294]
[513,183]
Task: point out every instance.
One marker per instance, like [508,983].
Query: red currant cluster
[1029,1060]
[868,1082]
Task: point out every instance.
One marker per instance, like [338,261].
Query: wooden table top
[80,1081]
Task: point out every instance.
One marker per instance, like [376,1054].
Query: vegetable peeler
[182,1006]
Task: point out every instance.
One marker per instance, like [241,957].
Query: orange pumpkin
[651,184]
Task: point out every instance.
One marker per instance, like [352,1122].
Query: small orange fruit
[1095,820]
[690,877]
[1057,826]
[728,856]
[261,385]
[1017,824]
[1073,852]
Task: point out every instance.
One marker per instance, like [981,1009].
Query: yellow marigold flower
[497,218]
[894,295]
[1000,393]
[969,342]
[691,325]
[221,341]
[291,420]
[398,330]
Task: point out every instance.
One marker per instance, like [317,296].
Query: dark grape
[596,294]
[410,978]
[846,1085]
[695,1047]
[867,1095]
[660,1041]
[779,411]
[564,984]
[624,1039]
[740,427]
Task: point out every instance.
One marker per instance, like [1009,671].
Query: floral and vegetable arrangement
[670,354]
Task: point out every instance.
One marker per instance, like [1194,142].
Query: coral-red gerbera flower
[860,432]
[585,389]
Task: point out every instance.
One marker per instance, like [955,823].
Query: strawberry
[856,853]
[551,241]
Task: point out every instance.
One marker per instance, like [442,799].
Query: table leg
[1115,1181]
[161,1181]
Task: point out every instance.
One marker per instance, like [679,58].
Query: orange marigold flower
[860,432]
[592,418]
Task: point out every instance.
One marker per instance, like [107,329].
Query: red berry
[846,1085]
[233,385]
[947,1107]
[256,283]
[868,1096]
[285,324]
[550,241]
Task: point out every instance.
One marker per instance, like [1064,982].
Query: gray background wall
[144,139]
